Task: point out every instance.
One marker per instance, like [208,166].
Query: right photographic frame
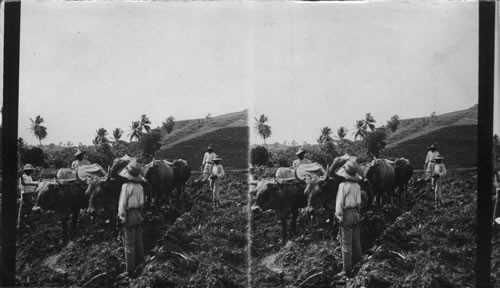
[367,127]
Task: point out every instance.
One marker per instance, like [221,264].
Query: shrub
[34,156]
[259,156]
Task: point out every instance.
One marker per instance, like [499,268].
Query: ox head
[265,191]
[97,187]
[47,195]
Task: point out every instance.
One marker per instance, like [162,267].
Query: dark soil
[188,245]
[406,245]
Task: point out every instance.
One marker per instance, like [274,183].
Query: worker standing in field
[207,163]
[79,159]
[130,206]
[302,160]
[429,163]
[215,178]
[347,207]
[438,174]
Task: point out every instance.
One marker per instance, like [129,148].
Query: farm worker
[130,206]
[347,212]
[79,159]
[302,160]
[207,163]
[215,178]
[429,163]
[27,183]
[438,174]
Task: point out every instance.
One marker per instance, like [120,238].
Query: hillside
[227,133]
[455,135]
[416,127]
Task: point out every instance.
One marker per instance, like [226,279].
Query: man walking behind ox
[437,175]
[130,206]
[207,163]
[347,212]
[302,160]
[79,160]
[429,163]
[215,178]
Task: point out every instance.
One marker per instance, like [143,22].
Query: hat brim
[125,174]
[300,152]
[28,169]
[342,173]
[79,153]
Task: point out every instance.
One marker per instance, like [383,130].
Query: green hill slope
[455,135]
[228,134]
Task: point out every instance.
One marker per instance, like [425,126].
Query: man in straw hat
[429,163]
[79,159]
[215,178]
[130,206]
[207,163]
[302,160]
[26,181]
[347,212]
[437,175]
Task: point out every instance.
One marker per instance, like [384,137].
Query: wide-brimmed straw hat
[79,152]
[132,172]
[28,167]
[432,147]
[217,158]
[300,151]
[349,171]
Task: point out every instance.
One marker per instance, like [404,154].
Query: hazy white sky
[87,65]
[328,64]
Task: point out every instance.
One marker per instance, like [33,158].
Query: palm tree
[168,125]
[341,133]
[100,137]
[38,130]
[144,123]
[262,128]
[325,135]
[360,129]
[135,130]
[117,134]
[369,122]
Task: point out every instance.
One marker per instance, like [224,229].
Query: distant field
[458,144]
[230,143]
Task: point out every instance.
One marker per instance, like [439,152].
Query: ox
[104,192]
[284,199]
[321,192]
[381,179]
[160,176]
[403,173]
[65,196]
[182,172]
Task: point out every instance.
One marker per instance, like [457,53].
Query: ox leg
[295,214]
[74,220]
[283,231]
[64,222]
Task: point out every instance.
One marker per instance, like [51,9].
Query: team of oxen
[312,187]
[90,187]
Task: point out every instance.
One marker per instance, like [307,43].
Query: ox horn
[105,178]
[298,178]
[78,177]
[57,179]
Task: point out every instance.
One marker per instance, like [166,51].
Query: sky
[336,62]
[89,65]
